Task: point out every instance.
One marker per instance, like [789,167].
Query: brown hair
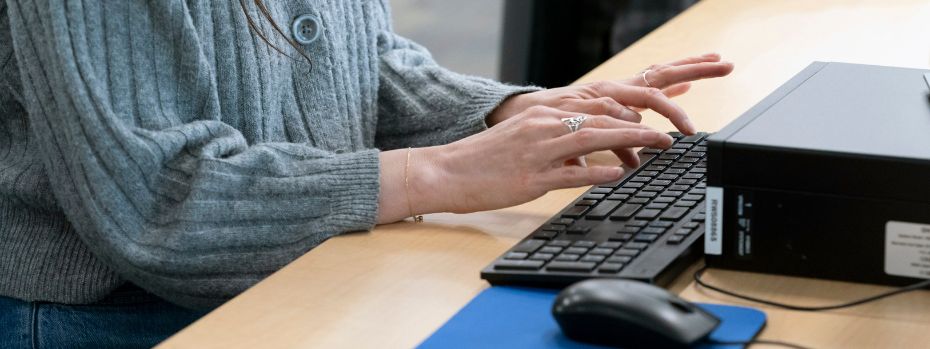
[267,14]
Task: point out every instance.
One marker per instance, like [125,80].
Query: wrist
[426,178]
[509,107]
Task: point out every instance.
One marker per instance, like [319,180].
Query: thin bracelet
[416,218]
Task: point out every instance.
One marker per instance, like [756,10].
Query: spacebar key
[518,265]
[570,266]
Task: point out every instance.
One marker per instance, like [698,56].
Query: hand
[525,156]
[672,79]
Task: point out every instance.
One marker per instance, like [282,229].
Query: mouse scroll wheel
[682,306]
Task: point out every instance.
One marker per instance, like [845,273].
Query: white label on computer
[713,221]
[907,249]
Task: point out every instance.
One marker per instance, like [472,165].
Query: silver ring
[646,81]
[574,123]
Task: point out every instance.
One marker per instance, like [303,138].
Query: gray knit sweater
[162,142]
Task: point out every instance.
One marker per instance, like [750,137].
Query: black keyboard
[647,226]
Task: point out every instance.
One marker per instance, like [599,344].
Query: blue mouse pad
[514,317]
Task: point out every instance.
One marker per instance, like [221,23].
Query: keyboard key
[653,230]
[638,201]
[685,203]
[620,237]
[602,210]
[697,137]
[675,151]
[632,185]
[698,191]
[691,225]
[564,221]
[648,173]
[674,213]
[610,245]
[663,199]
[594,197]
[648,214]
[650,151]
[576,250]
[626,252]
[545,235]
[693,197]
[601,191]
[629,230]
[645,238]
[516,255]
[654,168]
[541,256]
[619,259]
[646,194]
[657,206]
[600,251]
[668,157]
[662,162]
[577,230]
[584,243]
[575,211]
[570,266]
[675,239]
[681,165]
[640,179]
[627,191]
[636,245]
[653,188]
[637,223]
[625,212]
[518,265]
[688,182]
[661,224]
[610,267]
[679,187]
[674,171]
[699,148]
[567,257]
[688,160]
[559,243]
[699,170]
[528,246]
[554,227]
[551,249]
[683,231]
[672,193]
[586,203]
[693,176]
[593,258]
[663,182]
[698,217]
[620,197]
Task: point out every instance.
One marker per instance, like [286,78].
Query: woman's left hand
[600,98]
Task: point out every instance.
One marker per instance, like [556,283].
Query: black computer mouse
[630,314]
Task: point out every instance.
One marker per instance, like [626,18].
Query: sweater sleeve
[421,103]
[187,210]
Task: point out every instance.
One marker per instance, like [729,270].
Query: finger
[677,89]
[628,156]
[707,57]
[574,176]
[603,106]
[642,97]
[588,140]
[670,75]
[607,122]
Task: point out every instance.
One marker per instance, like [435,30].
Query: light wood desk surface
[392,287]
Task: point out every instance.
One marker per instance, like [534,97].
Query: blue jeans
[127,318]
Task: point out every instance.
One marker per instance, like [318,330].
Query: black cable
[913,287]
[759,341]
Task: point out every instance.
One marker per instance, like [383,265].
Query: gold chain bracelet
[416,218]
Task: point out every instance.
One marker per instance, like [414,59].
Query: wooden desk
[394,286]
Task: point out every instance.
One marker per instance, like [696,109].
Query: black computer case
[827,177]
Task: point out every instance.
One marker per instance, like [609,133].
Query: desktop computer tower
[827,177]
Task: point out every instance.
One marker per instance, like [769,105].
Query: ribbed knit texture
[163,143]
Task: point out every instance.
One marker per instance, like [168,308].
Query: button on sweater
[164,143]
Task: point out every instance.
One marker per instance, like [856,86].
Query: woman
[164,153]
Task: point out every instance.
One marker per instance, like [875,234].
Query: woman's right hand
[522,158]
